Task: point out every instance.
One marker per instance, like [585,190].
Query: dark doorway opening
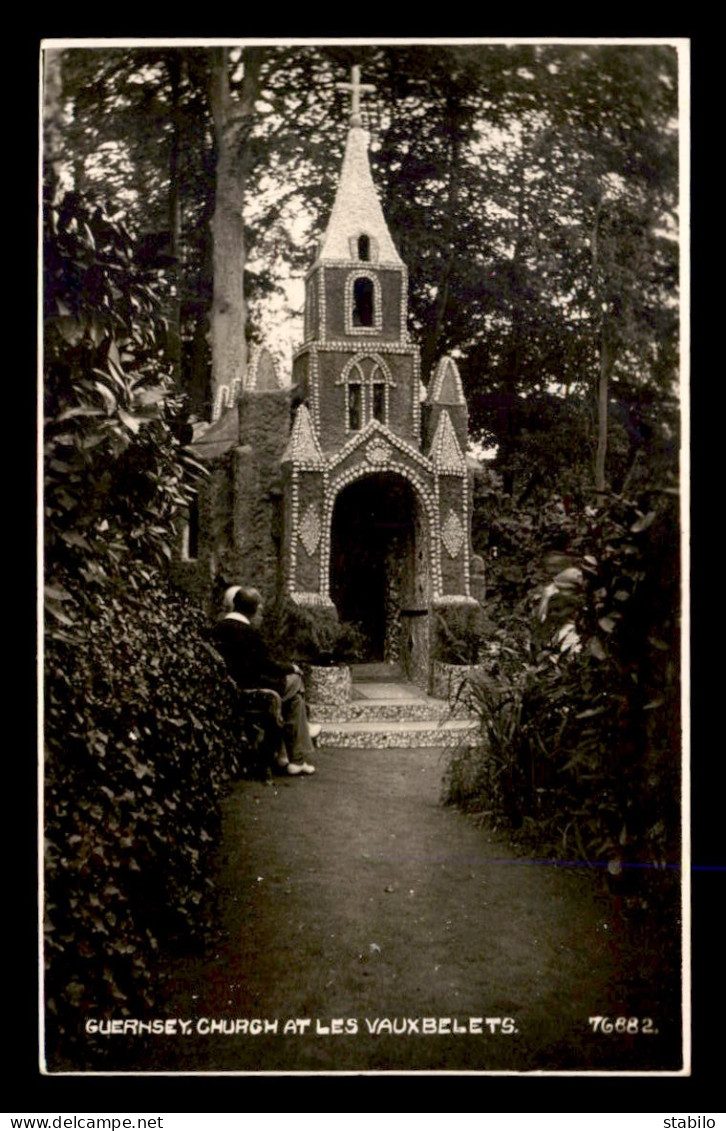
[372,559]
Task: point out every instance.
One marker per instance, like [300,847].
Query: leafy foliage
[459,635]
[141,728]
[116,473]
[579,711]
[311,635]
[535,209]
[141,735]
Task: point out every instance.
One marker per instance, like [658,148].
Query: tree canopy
[531,189]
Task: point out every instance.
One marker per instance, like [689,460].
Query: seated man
[238,640]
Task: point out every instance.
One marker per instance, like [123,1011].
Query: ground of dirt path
[361,925]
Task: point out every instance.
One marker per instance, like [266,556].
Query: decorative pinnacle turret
[355,86]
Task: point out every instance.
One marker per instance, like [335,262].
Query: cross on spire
[355,86]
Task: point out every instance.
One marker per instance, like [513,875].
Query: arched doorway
[378,563]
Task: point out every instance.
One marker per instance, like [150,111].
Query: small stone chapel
[349,487]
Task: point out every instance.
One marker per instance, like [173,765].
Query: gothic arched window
[367,382]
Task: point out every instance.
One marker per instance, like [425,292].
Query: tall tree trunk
[232,122]
[430,347]
[52,115]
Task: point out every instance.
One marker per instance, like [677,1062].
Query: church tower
[357,364]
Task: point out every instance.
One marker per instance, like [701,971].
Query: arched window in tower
[363,302]
[364,248]
[363,299]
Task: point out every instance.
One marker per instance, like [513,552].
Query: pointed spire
[262,371]
[303,445]
[446,386]
[357,210]
[445,452]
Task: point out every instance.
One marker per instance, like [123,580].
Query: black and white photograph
[363,544]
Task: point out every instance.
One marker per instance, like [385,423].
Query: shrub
[311,635]
[141,728]
[459,634]
[580,728]
[141,737]
[116,472]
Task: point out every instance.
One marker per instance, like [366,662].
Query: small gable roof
[303,445]
[446,386]
[445,454]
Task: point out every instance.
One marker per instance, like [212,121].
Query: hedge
[142,738]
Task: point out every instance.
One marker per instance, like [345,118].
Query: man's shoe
[315,730]
[300,768]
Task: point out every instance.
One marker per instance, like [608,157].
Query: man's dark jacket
[247,657]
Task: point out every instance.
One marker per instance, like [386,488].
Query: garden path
[354,894]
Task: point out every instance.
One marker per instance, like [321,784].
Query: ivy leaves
[116,473]
[142,737]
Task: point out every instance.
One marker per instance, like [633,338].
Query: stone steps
[381,710]
[395,734]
